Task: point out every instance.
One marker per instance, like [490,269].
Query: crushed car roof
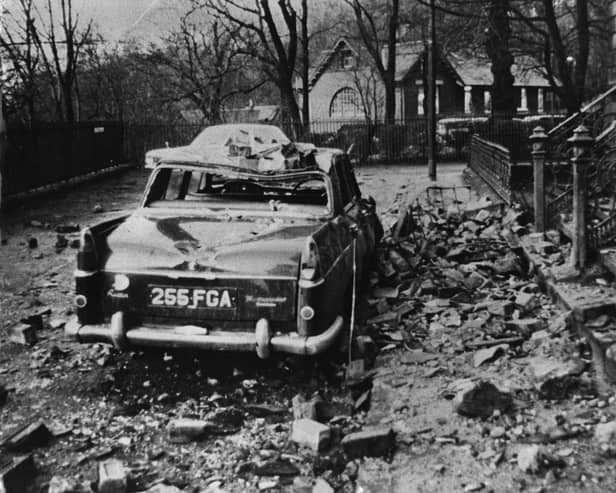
[270,162]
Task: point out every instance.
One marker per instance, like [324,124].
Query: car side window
[346,191]
[352,181]
[177,186]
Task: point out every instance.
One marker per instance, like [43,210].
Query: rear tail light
[310,262]
[87,257]
[81,301]
[306,312]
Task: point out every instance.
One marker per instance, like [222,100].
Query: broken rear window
[190,187]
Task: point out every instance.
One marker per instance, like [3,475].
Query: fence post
[538,140]
[581,143]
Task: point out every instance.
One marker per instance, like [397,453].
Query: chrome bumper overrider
[261,340]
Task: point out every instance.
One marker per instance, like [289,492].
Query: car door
[359,217]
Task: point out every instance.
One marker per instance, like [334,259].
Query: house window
[345,103]
[347,60]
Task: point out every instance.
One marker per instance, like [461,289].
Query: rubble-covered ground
[479,383]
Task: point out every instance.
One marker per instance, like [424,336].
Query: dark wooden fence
[48,154]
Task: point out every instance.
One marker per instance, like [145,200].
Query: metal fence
[402,141]
[493,163]
[52,153]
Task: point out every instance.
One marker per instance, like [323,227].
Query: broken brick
[525,301]
[112,477]
[23,334]
[61,242]
[67,228]
[322,486]
[373,442]
[480,399]
[311,433]
[366,347]
[186,430]
[500,308]
[555,379]
[525,326]
[487,355]
[303,408]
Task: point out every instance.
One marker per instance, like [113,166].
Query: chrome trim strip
[172,274]
[307,284]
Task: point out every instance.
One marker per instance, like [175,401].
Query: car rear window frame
[231,174]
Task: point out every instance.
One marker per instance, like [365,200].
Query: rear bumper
[260,340]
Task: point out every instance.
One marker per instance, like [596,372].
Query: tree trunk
[305,66]
[497,47]
[290,114]
[390,76]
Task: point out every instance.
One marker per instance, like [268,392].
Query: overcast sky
[117,19]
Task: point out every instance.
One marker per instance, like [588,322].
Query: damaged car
[241,246]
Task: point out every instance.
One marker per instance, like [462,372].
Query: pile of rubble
[453,305]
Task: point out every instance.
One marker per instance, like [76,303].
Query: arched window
[345,104]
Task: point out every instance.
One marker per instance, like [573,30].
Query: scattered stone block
[482,216]
[525,326]
[282,467]
[535,458]
[59,484]
[605,433]
[67,228]
[302,484]
[112,477]
[355,369]
[17,474]
[33,435]
[98,208]
[166,488]
[529,458]
[366,347]
[487,355]
[322,486]
[304,409]
[373,442]
[61,242]
[480,399]
[186,430]
[526,301]
[555,379]
[23,334]
[500,308]
[311,433]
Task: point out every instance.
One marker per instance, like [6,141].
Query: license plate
[193,298]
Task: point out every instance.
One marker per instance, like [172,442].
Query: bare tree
[17,40]
[270,37]
[558,34]
[372,19]
[497,47]
[61,55]
[206,63]
[305,66]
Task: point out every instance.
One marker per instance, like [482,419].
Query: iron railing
[47,154]
[492,162]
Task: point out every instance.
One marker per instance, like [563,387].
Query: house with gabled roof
[343,86]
